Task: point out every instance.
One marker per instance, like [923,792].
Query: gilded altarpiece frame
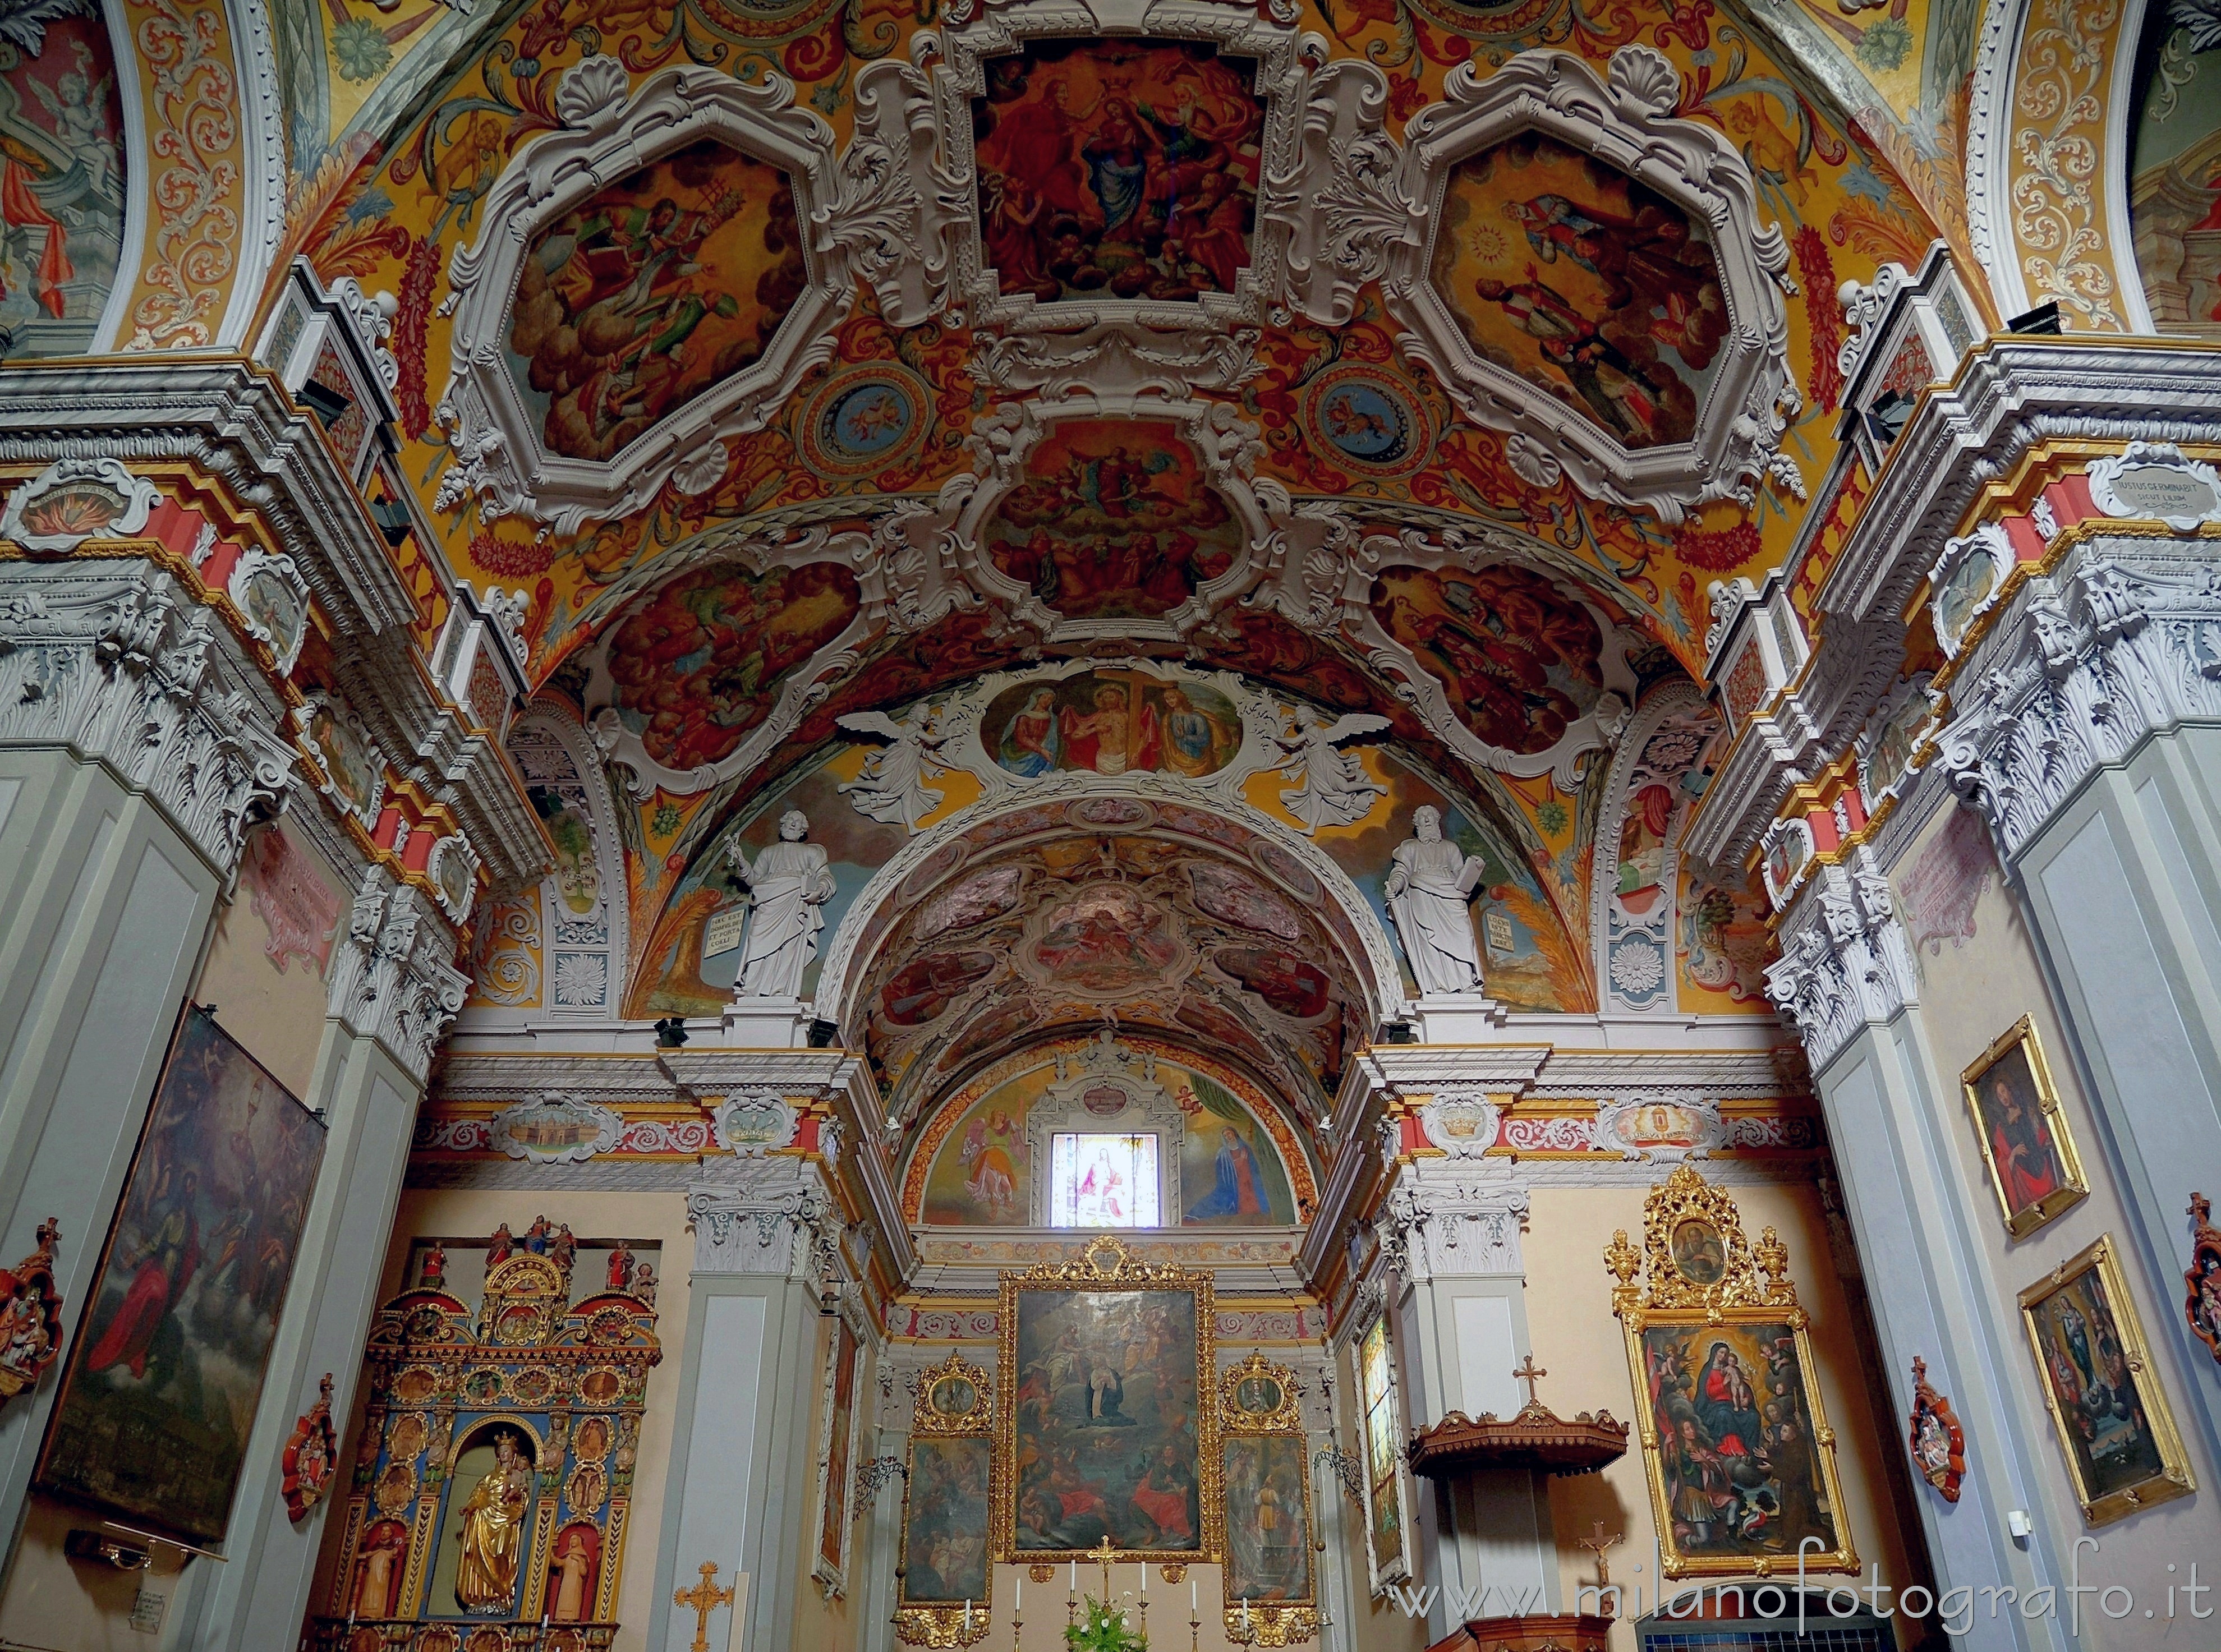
[1047,1316]
[1718,1346]
[569,1379]
[1264,1460]
[952,1457]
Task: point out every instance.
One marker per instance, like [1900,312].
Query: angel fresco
[61,182]
[651,291]
[1112,521]
[1118,170]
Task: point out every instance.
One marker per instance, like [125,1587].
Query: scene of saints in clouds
[1107,1443]
[1116,169]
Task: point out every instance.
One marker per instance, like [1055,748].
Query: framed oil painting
[1104,1417]
[2121,1447]
[946,1507]
[836,1452]
[1268,1577]
[163,1384]
[2033,1166]
[1736,1442]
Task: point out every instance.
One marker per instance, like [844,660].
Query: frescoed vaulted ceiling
[1416,365]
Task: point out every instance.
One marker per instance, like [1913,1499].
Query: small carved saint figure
[643,1284]
[574,1562]
[503,1248]
[621,1266]
[789,884]
[1429,892]
[378,1569]
[432,1276]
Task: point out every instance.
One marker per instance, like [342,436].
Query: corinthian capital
[1845,961]
[393,975]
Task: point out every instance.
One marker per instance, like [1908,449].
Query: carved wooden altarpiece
[566,1380]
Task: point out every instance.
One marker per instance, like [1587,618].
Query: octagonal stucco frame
[610,131]
[1627,121]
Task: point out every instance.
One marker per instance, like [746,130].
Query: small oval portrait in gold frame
[954,1396]
[1698,1254]
[1259,1396]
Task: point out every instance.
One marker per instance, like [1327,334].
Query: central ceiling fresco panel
[1118,169]
[653,290]
[1113,521]
[1584,283]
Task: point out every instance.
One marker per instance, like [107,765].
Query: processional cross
[1528,1371]
[706,1598]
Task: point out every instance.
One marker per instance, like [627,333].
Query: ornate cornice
[2010,395]
[2116,644]
[117,662]
[231,425]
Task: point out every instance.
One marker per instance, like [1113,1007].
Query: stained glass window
[1103,1181]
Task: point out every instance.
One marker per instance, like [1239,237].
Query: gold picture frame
[952,1445]
[1263,1473]
[1026,1430]
[1715,1331]
[2122,1450]
[2022,1129]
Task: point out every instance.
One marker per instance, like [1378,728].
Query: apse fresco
[2175,176]
[1113,521]
[1118,169]
[1231,1173]
[693,951]
[652,291]
[1583,282]
[1078,919]
[1519,659]
[61,125]
[702,663]
[1112,722]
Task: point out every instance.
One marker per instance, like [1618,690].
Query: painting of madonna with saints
[1105,1406]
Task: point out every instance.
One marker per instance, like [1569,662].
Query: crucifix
[1103,1552]
[706,1596]
[1596,1546]
[1527,1372]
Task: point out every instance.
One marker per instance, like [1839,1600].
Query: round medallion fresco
[1366,421]
[863,419]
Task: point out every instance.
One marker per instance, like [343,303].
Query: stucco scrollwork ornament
[501,439]
[73,500]
[1865,305]
[273,600]
[899,206]
[2155,481]
[1626,122]
[1097,342]
[1343,199]
[1463,1126]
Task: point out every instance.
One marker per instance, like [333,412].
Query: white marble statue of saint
[1430,888]
[789,884]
